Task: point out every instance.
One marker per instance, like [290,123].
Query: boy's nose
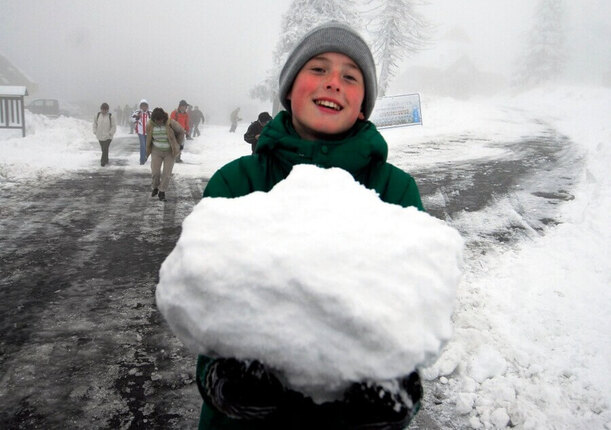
[332,82]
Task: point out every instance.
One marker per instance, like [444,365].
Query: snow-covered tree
[396,30]
[544,55]
[302,16]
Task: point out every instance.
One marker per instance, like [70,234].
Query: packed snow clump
[318,279]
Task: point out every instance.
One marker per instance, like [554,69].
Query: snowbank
[531,348]
[51,146]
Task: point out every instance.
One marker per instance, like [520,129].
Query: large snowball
[318,279]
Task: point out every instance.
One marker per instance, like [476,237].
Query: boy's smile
[327,96]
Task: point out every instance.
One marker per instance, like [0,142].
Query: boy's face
[326,96]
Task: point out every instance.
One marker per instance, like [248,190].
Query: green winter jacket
[362,153]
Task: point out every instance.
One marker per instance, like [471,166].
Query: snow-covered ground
[531,344]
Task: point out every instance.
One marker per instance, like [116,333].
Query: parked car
[49,107]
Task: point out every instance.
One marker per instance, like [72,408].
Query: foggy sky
[498,33]
[211,53]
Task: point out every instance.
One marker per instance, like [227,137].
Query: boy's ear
[361,116]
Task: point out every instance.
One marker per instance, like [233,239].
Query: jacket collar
[362,145]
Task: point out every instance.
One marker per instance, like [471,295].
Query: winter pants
[161,179]
[195,130]
[142,138]
[233,127]
[104,144]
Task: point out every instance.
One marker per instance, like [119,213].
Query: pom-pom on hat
[331,37]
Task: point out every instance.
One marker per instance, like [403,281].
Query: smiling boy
[326,97]
[328,88]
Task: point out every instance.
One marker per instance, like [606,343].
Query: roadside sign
[397,111]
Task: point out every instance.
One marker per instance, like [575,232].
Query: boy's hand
[242,390]
[371,406]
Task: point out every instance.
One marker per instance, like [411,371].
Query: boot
[155,191]
[162,196]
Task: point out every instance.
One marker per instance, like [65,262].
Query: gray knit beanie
[331,37]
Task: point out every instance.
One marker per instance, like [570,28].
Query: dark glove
[370,406]
[242,390]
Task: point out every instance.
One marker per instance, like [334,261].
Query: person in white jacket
[140,118]
[104,128]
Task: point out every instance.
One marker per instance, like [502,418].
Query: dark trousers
[195,130]
[104,144]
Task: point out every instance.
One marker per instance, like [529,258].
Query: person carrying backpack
[254,129]
[181,116]
[104,128]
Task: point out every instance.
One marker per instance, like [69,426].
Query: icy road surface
[81,342]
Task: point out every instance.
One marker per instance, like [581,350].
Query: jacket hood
[362,145]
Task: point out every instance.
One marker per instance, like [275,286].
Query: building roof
[13,90]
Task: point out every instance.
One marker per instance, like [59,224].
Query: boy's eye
[317,69]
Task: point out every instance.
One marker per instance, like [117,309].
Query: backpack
[109,116]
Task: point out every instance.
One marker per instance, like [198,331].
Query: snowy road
[81,342]
[522,187]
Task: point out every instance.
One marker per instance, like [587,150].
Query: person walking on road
[234,117]
[163,139]
[104,128]
[140,118]
[127,118]
[197,117]
[254,129]
[181,116]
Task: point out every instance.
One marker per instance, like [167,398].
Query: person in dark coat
[254,129]
[328,88]
[196,117]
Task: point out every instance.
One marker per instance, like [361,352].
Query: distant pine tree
[544,56]
[396,30]
[302,16]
